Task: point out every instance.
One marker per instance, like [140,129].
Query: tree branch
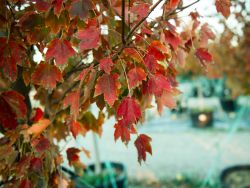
[142,20]
[123,22]
[181,8]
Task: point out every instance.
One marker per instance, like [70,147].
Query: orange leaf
[37,128]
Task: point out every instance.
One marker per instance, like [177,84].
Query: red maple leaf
[46,75]
[109,86]
[166,99]
[36,164]
[203,55]
[142,144]
[41,5]
[89,38]
[157,84]
[106,64]
[73,100]
[42,144]
[129,110]
[57,6]
[61,50]
[72,155]
[123,131]
[25,183]
[172,39]
[38,114]
[135,76]
[150,62]
[12,108]
[172,4]
[223,6]
[157,49]
[75,127]
[11,54]
[141,10]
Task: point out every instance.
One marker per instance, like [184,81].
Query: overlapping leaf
[136,76]
[73,100]
[12,108]
[203,55]
[157,84]
[89,38]
[108,85]
[61,50]
[123,131]
[106,64]
[46,75]
[129,110]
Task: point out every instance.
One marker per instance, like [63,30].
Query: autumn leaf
[16,101]
[37,115]
[89,38]
[75,127]
[36,164]
[25,183]
[90,122]
[37,128]
[150,62]
[106,64]
[135,76]
[129,110]
[223,6]
[172,4]
[140,10]
[41,5]
[172,39]
[61,50]
[8,118]
[73,100]
[46,75]
[166,99]
[11,55]
[109,86]
[80,8]
[157,84]
[158,50]
[12,108]
[132,53]
[57,6]
[73,155]
[42,144]
[142,144]
[123,131]
[203,55]
[83,74]
[206,34]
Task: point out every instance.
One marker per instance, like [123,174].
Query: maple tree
[102,52]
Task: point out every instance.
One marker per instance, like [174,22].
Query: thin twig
[123,22]
[142,20]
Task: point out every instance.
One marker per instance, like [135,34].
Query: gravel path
[177,149]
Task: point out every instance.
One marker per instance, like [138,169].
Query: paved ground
[177,148]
